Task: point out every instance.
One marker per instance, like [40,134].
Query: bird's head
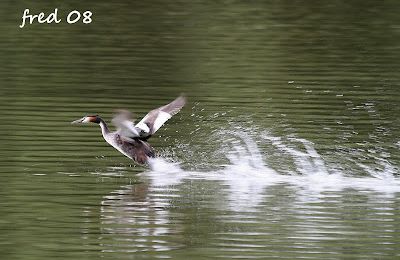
[87,119]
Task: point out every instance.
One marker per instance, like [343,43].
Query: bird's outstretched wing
[123,121]
[157,117]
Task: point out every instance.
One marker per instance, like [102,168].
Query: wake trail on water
[249,171]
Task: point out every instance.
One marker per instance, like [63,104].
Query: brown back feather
[139,150]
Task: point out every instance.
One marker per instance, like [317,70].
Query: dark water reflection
[289,147]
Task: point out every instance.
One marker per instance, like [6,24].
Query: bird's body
[136,149]
[131,139]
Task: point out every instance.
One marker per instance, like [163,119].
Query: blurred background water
[288,148]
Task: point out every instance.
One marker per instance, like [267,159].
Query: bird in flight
[130,139]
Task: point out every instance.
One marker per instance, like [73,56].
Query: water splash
[164,172]
[248,173]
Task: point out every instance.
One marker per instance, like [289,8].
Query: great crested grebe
[131,139]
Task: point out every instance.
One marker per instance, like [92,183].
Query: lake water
[288,148]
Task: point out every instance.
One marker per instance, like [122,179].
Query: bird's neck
[104,128]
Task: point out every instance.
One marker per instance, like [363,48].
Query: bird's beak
[79,121]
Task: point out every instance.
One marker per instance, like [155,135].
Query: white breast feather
[142,125]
